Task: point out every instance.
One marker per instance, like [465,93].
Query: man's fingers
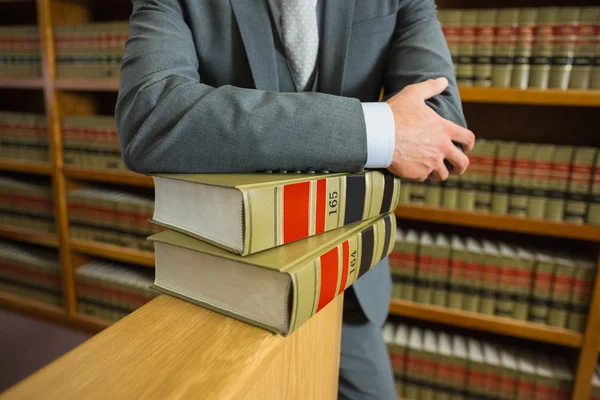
[440,173]
[429,88]
[457,158]
[460,135]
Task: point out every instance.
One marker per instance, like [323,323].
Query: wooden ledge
[170,349]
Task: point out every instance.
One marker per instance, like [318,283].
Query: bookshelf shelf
[28,236]
[583,98]
[493,324]
[499,222]
[90,323]
[100,85]
[106,176]
[21,83]
[113,252]
[30,167]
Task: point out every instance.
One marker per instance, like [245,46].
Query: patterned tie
[301,39]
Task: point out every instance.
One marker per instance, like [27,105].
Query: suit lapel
[253,20]
[335,36]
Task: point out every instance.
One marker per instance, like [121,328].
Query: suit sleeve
[169,121]
[419,52]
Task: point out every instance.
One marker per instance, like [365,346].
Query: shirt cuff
[381,138]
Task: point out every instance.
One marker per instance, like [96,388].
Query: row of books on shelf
[90,50]
[546,47]
[112,216]
[482,276]
[26,204]
[542,181]
[434,364]
[105,289]
[23,136]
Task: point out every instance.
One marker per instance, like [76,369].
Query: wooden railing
[169,349]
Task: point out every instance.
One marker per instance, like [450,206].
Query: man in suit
[291,85]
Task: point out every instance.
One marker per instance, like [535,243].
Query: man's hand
[423,138]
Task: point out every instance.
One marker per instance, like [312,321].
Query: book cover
[503,175]
[581,293]
[263,211]
[520,186]
[563,378]
[559,182]
[277,289]
[540,181]
[580,182]
[505,47]
[524,49]
[583,55]
[484,47]
[541,54]
[465,72]
[563,43]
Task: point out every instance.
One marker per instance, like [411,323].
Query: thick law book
[503,176]
[578,195]
[593,215]
[523,52]
[484,47]
[414,373]
[249,213]
[523,282]
[278,289]
[559,182]
[520,181]
[541,55]
[562,283]
[425,269]
[451,26]
[475,377]
[465,72]
[581,292]
[441,270]
[584,48]
[541,291]
[563,42]
[540,181]
[482,167]
[527,376]
[429,365]
[505,46]
[403,263]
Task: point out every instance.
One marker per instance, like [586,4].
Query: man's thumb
[431,87]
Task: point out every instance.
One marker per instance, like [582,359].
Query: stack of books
[90,50]
[270,249]
[111,216]
[542,181]
[23,136]
[92,141]
[430,364]
[26,205]
[30,272]
[482,276]
[111,290]
[545,47]
[20,55]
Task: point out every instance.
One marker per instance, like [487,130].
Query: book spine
[441,265]
[451,26]
[433,194]
[317,284]
[458,279]
[403,264]
[541,292]
[473,271]
[418,191]
[561,296]
[540,181]
[282,214]
[424,284]
[584,49]
[595,74]
[505,47]
[484,47]
[559,182]
[490,277]
[593,216]
[520,181]
[523,282]
[450,192]
[524,48]
[466,52]
[580,184]
[541,57]
[506,284]
[583,286]
[503,175]
[563,42]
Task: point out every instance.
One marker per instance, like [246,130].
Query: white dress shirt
[379,120]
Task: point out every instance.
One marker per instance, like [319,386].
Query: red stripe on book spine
[329,270]
[345,262]
[296,202]
[321,204]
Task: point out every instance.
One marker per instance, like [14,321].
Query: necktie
[300,39]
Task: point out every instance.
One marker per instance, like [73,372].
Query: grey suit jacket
[201,90]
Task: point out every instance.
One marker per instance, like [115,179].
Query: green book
[561,291]
[450,191]
[465,73]
[520,186]
[451,26]
[441,265]
[527,376]
[595,75]
[580,182]
[468,182]
[559,182]
[563,378]
[418,191]
[484,47]
[503,175]
[581,293]
[563,41]
[459,365]
[493,369]
[433,193]
[476,374]
[405,193]
[412,385]
[403,262]
[492,262]
[399,346]
[458,279]
[429,359]
[509,378]
[482,167]
[524,280]
[524,48]
[506,282]
[541,292]
[541,55]
[425,269]
[445,372]
[505,47]
[473,270]
[540,181]
[583,57]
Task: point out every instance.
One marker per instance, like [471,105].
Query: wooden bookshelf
[485,323]
[21,83]
[582,98]
[28,236]
[106,176]
[96,85]
[113,252]
[29,167]
[498,222]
